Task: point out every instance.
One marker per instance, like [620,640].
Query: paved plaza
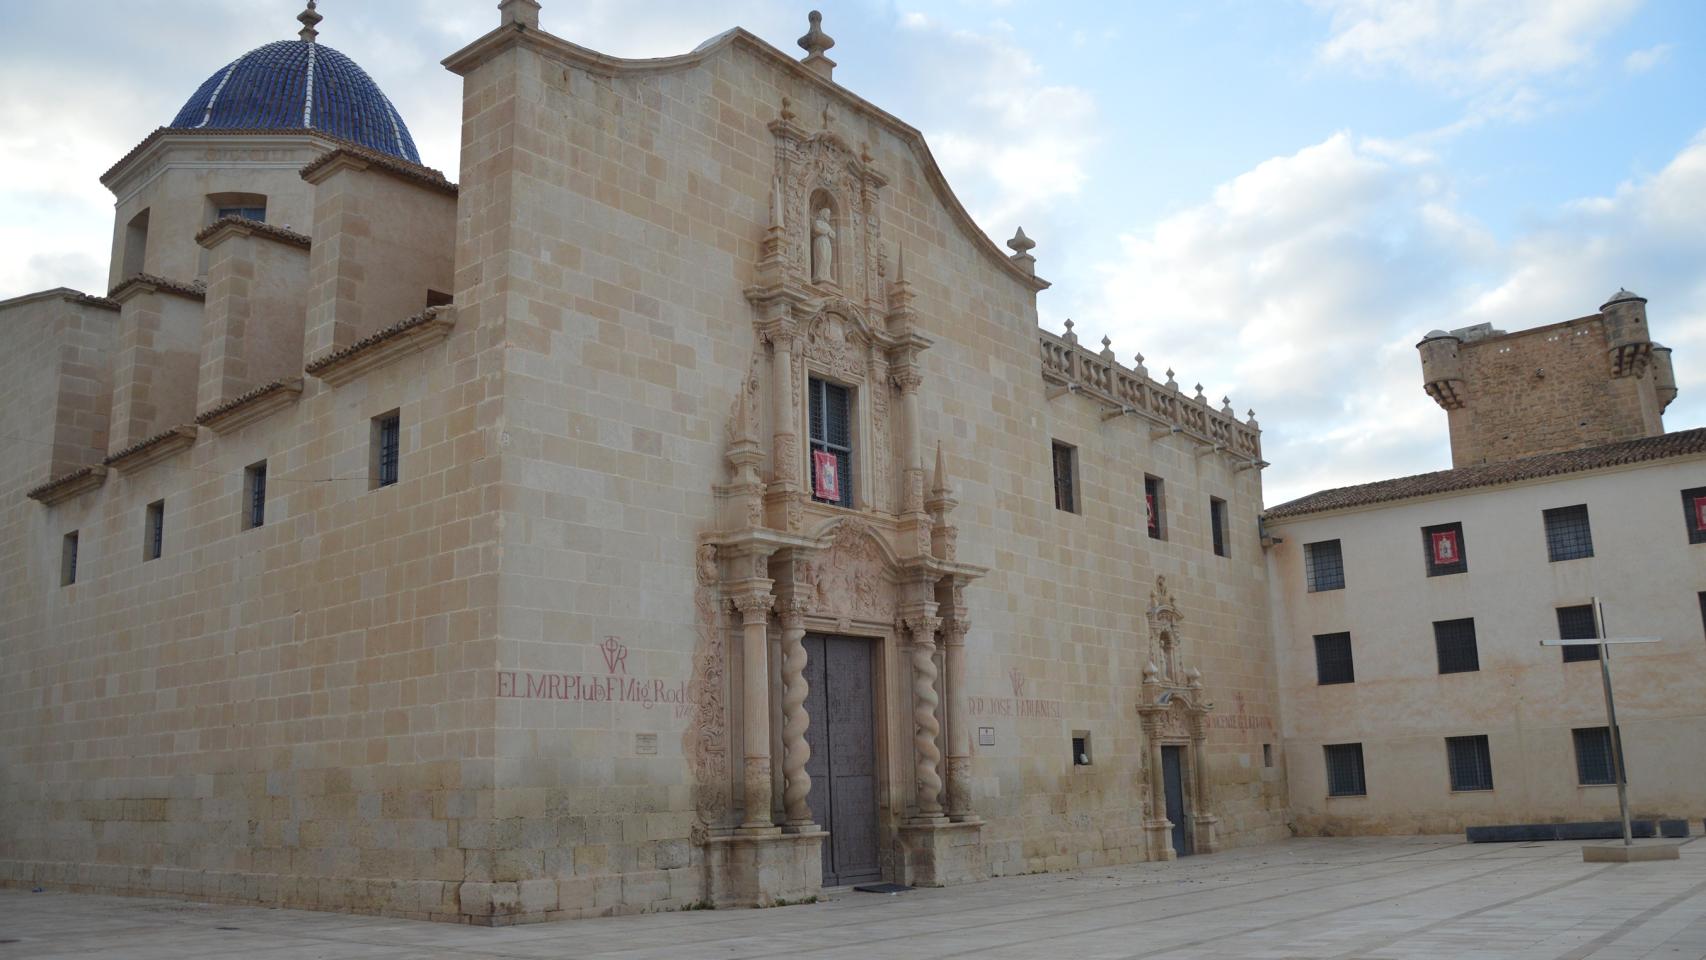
[1421,897]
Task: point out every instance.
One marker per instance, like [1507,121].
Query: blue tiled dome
[294,85]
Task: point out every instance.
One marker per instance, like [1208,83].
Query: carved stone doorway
[1173,776]
[842,703]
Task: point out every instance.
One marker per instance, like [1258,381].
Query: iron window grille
[1065,478]
[1344,770]
[1155,506]
[387,448]
[1217,524]
[68,560]
[1594,763]
[255,505]
[1333,659]
[1454,644]
[1432,537]
[1471,762]
[832,433]
[1324,565]
[1694,513]
[154,531]
[247,213]
[1568,536]
[1576,623]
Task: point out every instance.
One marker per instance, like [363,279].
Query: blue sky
[1275,198]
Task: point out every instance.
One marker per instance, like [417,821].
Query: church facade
[684,508]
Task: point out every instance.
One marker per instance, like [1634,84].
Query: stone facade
[1591,380]
[557,668]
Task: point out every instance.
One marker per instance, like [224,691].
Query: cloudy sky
[1276,198]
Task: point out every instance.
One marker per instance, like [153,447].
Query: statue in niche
[823,248]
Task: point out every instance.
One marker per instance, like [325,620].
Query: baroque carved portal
[1174,713]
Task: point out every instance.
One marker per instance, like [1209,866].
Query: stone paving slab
[1414,898]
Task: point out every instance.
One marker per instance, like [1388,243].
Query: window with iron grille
[1576,623]
[387,449]
[1444,550]
[1344,770]
[1703,610]
[1694,514]
[255,495]
[1333,658]
[247,213]
[832,434]
[1217,524]
[1454,643]
[1065,477]
[1594,762]
[1567,534]
[154,530]
[1471,763]
[1324,565]
[68,560]
[1155,505]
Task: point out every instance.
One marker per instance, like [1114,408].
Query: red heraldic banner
[826,478]
[1445,548]
[1700,513]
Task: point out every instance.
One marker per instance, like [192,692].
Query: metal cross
[1604,643]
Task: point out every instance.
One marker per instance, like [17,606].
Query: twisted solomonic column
[795,721]
[925,728]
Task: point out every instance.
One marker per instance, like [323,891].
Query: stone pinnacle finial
[1021,246]
[309,18]
[939,483]
[521,13]
[814,43]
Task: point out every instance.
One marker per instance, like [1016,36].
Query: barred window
[255,495]
[68,560]
[1065,477]
[1694,514]
[1454,644]
[1594,764]
[1155,504]
[1703,610]
[1333,658]
[1443,549]
[832,434]
[1471,763]
[1568,536]
[1217,524]
[154,531]
[1344,770]
[1324,565]
[387,449]
[1576,623]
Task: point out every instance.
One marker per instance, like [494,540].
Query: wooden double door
[842,704]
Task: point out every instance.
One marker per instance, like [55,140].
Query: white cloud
[1640,61]
[1009,141]
[1469,43]
[1302,286]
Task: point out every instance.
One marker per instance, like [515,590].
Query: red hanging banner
[826,476]
[1700,513]
[1445,548]
[1149,503]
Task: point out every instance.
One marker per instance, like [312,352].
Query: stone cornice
[243,226]
[162,134]
[61,293]
[73,484]
[149,283]
[153,450]
[243,410]
[464,61]
[382,347]
[357,158]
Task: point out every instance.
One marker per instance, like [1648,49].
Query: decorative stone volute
[814,43]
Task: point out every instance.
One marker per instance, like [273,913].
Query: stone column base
[1160,834]
[1203,839]
[764,871]
[942,854]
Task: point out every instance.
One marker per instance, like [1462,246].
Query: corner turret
[1442,370]
[1627,342]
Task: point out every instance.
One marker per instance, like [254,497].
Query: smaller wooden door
[1173,777]
[841,702]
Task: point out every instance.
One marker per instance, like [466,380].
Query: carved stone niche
[1164,620]
[822,171]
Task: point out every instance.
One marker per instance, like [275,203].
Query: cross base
[1633,853]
